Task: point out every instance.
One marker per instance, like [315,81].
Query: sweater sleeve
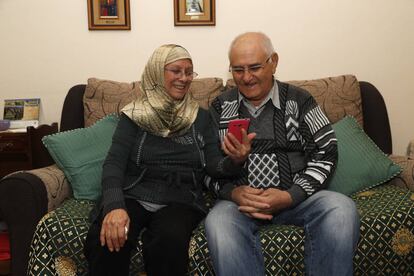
[222,186]
[217,164]
[115,165]
[320,147]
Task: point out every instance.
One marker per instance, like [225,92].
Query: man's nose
[247,76]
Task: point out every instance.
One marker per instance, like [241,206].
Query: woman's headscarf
[154,110]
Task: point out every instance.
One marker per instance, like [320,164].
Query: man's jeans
[330,221]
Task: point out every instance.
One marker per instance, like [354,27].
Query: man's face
[254,84]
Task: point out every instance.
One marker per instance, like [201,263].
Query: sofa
[48,225]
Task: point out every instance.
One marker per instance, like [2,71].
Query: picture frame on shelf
[21,109]
[194,12]
[109,15]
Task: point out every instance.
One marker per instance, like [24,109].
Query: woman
[153,173]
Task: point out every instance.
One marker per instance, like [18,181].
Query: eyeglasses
[178,73]
[252,69]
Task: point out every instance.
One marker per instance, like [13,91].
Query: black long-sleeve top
[162,170]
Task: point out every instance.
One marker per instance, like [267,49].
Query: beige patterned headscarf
[155,111]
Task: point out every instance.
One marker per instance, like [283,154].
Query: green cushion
[361,164]
[80,154]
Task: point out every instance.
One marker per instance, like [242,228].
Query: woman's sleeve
[115,165]
[217,164]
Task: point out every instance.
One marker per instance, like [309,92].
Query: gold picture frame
[194,12]
[109,15]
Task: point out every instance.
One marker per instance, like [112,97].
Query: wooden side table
[24,150]
[15,153]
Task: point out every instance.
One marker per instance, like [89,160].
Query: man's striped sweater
[295,148]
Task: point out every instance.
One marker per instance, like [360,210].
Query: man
[293,155]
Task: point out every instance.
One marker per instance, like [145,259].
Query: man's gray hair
[264,41]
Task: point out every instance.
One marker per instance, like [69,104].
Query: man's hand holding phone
[237,143]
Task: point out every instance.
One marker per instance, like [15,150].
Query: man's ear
[275,60]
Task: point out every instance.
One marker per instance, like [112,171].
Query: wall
[46,46]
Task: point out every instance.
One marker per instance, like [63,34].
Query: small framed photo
[109,15]
[194,12]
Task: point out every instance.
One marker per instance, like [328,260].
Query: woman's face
[177,78]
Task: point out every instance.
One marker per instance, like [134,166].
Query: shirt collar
[273,96]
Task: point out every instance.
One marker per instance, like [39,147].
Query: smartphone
[235,127]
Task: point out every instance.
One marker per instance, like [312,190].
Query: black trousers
[165,240]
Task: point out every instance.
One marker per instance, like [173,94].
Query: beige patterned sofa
[40,201]
[410,149]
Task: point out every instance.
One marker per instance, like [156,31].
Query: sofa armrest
[25,197]
[56,184]
[406,178]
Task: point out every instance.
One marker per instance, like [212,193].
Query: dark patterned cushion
[387,232]
[57,245]
[386,246]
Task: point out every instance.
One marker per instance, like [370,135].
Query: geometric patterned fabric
[263,170]
[386,246]
[57,244]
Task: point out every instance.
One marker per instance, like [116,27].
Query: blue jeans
[330,221]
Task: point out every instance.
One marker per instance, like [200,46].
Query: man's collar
[273,96]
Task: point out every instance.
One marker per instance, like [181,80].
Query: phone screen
[235,127]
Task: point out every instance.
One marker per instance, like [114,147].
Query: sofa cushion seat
[387,227]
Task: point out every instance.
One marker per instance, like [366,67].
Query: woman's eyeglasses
[178,73]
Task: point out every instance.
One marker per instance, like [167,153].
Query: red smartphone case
[235,127]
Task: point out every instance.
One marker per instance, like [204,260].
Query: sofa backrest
[103,97]
[338,96]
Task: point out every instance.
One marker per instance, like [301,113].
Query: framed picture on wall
[194,12]
[109,15]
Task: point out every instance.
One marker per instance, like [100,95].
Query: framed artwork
[109,15]
[194,12]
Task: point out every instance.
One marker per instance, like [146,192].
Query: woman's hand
[237,151]
[114,230]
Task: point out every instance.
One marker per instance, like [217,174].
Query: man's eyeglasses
[252,69]
[178,73]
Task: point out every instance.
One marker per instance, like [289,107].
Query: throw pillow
[361,164]
[103,97]
[80,154]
